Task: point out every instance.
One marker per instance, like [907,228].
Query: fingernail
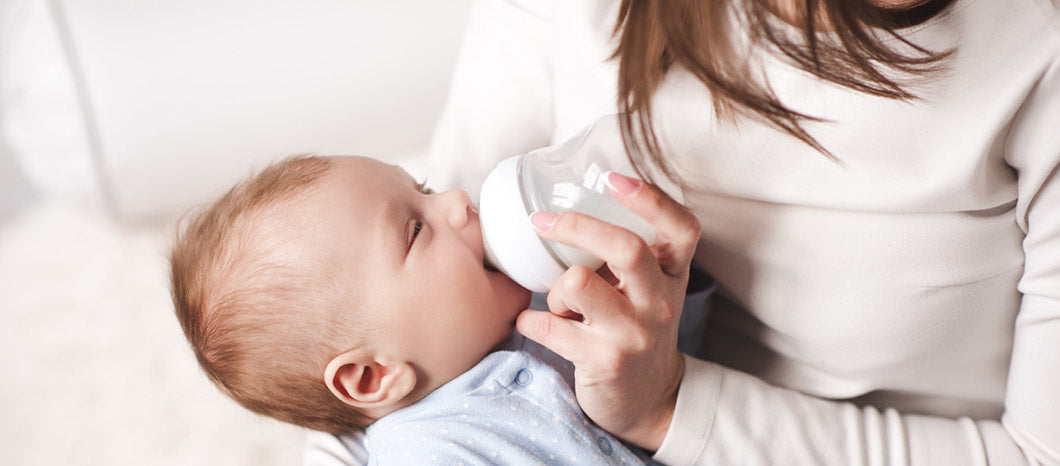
[621,184]
[542,220]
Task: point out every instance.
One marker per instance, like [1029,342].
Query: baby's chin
[516,301]
[521,296]
[508,290]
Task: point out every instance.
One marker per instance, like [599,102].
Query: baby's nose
[459,204]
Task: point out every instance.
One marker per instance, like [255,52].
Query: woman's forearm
[727,417]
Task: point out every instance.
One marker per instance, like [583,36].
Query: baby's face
[415,262]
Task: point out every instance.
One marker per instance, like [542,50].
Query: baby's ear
[366,382]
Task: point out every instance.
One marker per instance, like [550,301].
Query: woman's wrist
[650,433]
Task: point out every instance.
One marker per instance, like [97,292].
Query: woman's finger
[678,229]
[583,295]
[580,303]
[556,302]
[626,254]
[564,337]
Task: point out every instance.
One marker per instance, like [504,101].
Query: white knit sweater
[899,307]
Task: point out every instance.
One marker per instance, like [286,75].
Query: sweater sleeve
[500,100]
[1032,402]
[727,417]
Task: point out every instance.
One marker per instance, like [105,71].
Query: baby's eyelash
[422,187]
[414,227]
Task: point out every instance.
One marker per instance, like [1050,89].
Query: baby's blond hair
[251,314]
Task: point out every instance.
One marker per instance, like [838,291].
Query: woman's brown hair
[860,51]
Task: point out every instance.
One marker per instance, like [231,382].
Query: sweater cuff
[697,401]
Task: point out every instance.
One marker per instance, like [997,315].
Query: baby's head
[330,291]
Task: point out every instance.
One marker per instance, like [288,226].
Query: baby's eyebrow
[416,185]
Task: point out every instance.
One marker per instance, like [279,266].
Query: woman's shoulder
[1024,34]
[1050,13]
[1038,16]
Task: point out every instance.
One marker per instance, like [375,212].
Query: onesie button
[605,445]
[524,377]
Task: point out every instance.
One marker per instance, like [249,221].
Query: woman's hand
[621,334]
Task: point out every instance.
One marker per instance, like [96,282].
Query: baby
[338,294]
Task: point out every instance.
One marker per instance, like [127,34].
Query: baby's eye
[414,227]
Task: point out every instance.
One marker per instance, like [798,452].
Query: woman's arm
[1032,401]
[727,417]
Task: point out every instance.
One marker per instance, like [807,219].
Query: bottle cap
[510,240]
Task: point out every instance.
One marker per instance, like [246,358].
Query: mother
[877,185]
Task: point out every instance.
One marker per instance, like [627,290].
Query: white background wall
[117,115]
[169,99]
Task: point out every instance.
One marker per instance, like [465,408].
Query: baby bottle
[566,177]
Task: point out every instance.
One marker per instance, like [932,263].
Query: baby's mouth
[487,253]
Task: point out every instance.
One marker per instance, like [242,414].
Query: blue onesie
[516,406]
